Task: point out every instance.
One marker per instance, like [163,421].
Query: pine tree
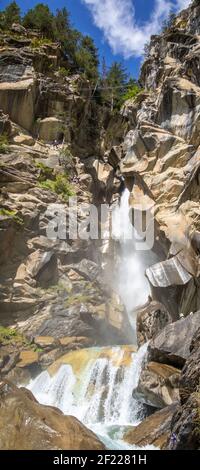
[115,84]
[40,18]
[10,15]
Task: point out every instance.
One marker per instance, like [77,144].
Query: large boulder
[158,385]
[151,319]
[27,425]
[154,430]
[172,345]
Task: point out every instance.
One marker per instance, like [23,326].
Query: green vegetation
[60,186]
[77,299]
[10,15]
[38,42]
[45,172]
[8,335]
[133,90]
[63,72]
[110,87]
[118,86]
[3,143]
[13,214]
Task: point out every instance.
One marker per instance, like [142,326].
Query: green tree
[87,58]
[132,90]
[115,84]
[66,35]
[40,18]
[10,15]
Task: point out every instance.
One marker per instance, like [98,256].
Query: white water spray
[132,284]
[100,395]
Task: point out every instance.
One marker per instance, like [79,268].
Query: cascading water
[131,282]
[99,394]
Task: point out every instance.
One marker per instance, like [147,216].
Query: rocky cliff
[53,138]
[162,157]
[161,160]
[57,141]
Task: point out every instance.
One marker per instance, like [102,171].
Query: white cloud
[117,21]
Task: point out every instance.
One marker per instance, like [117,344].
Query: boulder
[45,342]
[18,28]
[50,128]
[28,358]
[23,139]
[158,385]
[172,345]
[154,430]
[151,319]
[27,425]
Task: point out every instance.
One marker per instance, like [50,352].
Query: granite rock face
[161,159]
[172,345]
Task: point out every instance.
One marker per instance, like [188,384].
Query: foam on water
[100,395]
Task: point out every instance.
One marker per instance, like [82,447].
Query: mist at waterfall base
[130,280]
[99,394]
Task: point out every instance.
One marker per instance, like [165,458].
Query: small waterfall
[132,285]
[100,393]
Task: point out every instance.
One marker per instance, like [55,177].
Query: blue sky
[120,28]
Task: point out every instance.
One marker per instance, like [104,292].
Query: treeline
[113,84]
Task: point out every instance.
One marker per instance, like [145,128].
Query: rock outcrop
[172,345]
[151,319]
[161,159]
[27,425]
[154,430]
[158,385]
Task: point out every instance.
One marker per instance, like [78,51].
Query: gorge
[99,339]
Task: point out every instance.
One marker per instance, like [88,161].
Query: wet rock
[151,319]
[27,425]
[185,425]
[153,430]
[158,385]
[172,345]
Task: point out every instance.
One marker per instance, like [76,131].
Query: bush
[63,72]
[39,42]
[12,214]
[45,171]
[3,143]
[131,93]
[60,186]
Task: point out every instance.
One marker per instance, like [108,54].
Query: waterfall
[131,283]
[96,385]
[100,393]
